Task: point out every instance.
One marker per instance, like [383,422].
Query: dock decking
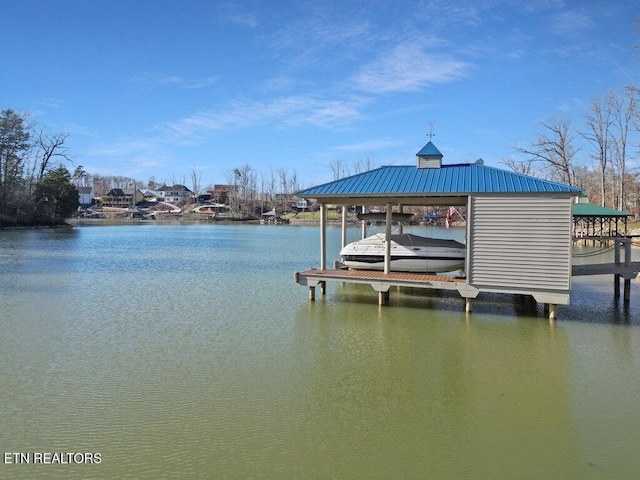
[382,282]
[401,279]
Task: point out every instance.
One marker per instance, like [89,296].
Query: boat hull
[409,253]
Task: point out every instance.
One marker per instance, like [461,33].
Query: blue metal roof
[448,180]
[429,150]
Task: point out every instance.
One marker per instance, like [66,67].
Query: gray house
[518,227]
[85,196]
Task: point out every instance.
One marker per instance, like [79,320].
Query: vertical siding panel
[520,243]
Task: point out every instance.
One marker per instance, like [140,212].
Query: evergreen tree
[56,197]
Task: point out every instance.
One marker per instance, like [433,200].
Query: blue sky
[166,87]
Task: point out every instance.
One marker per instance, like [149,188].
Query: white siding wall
[520,244]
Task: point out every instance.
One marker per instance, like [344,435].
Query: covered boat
[409,253]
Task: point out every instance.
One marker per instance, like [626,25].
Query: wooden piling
[467,306]
[627,262]
[616,277]
[383,298]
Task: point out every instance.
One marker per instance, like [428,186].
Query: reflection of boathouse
[518,227]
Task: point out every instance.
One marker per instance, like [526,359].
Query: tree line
[35,186]
[599,155]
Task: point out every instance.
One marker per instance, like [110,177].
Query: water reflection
[466,398]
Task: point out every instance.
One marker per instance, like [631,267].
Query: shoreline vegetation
[309,218]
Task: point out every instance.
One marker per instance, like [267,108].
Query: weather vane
[431,134]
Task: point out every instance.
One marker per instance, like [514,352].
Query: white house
[174,194]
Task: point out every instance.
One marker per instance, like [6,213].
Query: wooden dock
[626,269]
[382,282]
[379,280]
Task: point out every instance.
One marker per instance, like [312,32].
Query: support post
[312,293]
[364,224]
[627,262]
[323,236]
[616,277]
[387,239]
[383,298]
[323,288]
[552,311]
[344,226]
[467,306]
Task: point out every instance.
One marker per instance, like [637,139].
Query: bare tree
[339,168]
[284,188]
[270,183]
[50,147]
[363,165]
[244,180]
[196,178]
[625,111]
[525,167]
[294,186]
[15,145]
[554,149]
[597,133]
[151,183]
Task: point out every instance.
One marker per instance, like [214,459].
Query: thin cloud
[158,79]
[407,67]
[292,111]
[201,82]
[571,23]
[368,146]
[49,102]
[238,15]
[177,80]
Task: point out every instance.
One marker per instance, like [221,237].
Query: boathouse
[518,229]
[593,222]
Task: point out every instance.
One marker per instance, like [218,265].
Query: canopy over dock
[518,229]
[592,222]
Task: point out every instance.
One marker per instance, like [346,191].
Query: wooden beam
[630,270]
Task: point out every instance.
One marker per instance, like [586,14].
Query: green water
[188,351]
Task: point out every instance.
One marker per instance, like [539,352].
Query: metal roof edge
[322,185]
[517,183]
[577,190]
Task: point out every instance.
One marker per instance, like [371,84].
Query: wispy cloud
[126,157]
[571,23]
[49,102]
[201,82]
[238,15]
[176,80]
[409,67]
[368,146]
[292,111]
[157,79]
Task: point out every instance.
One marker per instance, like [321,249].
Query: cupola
[429,156]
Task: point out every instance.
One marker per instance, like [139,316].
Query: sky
[169,88]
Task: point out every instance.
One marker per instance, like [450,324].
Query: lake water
[187,351]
